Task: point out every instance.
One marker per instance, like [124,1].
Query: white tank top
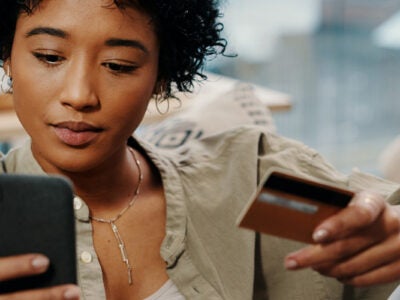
[168,291]
[396,294]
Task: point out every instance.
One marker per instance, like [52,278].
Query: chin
[79,164]
[61,161]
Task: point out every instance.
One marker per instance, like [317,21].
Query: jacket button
[86,257]
[78,203]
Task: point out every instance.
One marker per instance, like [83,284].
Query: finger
[303,258]
[384,274]
[373,258]
[65,292]
[384,230]
[363,210]
[22,265]
[331,253]
[337,251]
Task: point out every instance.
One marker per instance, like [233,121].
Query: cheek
[130,110]
[127,102]
[29,95]
[24,94]
[28,85]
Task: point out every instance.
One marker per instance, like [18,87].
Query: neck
[108,189]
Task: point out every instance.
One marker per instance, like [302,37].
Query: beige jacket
[207,183]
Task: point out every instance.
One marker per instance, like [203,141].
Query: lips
[76,133]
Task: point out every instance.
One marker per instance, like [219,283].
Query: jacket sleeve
[308,284]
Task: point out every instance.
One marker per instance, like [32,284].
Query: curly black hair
[188,31]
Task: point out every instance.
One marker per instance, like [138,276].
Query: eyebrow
[126,43]
[113,42]
[49,31]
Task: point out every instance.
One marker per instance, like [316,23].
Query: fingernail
[291,264]
[40,262]
[72,293]
[320,235]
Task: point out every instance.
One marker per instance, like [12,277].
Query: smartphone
[36,216]
[290,206]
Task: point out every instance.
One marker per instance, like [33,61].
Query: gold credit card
[290,206]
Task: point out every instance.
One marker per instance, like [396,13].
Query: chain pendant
[121,244]
[122,248]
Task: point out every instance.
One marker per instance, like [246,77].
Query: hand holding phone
[36,216]
[290,206]
[18,266]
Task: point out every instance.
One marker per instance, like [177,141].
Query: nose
[78,88]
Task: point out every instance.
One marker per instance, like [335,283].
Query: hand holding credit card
[290,206]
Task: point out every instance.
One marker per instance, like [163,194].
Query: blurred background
[338,60]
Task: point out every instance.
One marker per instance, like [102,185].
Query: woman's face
[83,73]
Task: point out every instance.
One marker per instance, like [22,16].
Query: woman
[153,225]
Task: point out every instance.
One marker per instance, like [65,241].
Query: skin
[358,246]
[80,78]
[92,70]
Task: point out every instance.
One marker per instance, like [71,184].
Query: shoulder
[236,154]
[21,160]
[181,141]
[210,173]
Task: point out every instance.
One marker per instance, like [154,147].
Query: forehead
[88,17]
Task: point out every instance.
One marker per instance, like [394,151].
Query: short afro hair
[188,31]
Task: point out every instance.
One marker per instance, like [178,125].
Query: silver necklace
[112,221]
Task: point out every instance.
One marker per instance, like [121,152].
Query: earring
[6,83]
[159,99]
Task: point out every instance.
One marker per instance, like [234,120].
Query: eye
[50,59]
[119,68]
